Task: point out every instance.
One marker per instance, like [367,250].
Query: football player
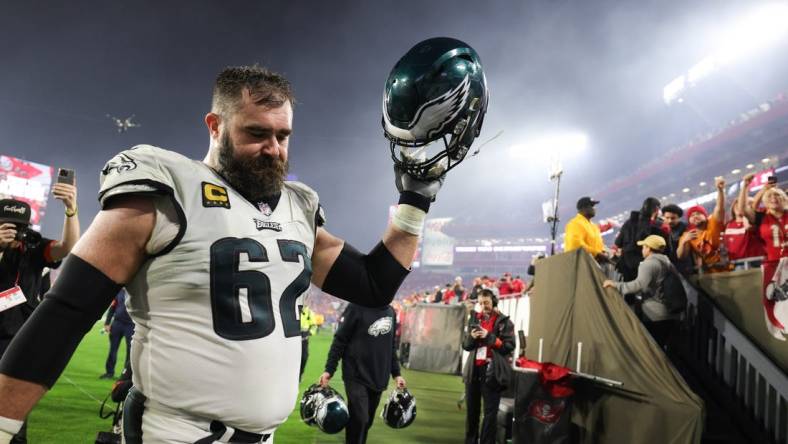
[215,255]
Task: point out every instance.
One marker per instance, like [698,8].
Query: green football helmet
[435,96]
[324,408]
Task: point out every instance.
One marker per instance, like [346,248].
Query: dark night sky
[597,66]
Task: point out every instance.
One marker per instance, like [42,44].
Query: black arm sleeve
[369,280]
[44,345]
[341,339]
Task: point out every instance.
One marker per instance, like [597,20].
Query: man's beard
[256,178]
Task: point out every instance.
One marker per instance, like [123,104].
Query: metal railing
[744,381]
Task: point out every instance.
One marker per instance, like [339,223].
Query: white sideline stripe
[81,389]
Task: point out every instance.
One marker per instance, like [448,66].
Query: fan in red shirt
[505,285]
[772,225]
[457,291]
[741,239]
[518,286]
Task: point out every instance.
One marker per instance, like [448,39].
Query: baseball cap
[14,211]
[586,202]
[654,242]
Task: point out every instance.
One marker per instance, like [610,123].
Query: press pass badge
[11,298]
[481,353]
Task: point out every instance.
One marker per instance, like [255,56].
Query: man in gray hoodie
[648,284]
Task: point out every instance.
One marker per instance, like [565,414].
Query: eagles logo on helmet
[436,92]
[400,409]
[325,408]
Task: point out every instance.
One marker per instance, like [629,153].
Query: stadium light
[686,190]
[703,184]
[758,30]
[750,166]
[766,160]
[735,171]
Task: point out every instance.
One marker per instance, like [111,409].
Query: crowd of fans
[658,240]
[507,285]
[696,241]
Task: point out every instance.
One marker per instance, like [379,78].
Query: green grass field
[69,412]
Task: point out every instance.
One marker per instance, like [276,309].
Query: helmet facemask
[429,160]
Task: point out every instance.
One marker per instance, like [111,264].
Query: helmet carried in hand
[325,408]
[400,409]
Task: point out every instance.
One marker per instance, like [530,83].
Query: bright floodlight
[562,145]
[758,30]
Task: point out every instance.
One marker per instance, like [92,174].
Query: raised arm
[68,194]
[719,208]
[744,209]
[372,279]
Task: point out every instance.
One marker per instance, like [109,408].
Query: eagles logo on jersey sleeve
[142,169]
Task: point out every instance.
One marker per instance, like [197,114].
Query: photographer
[490,339]
[24,254]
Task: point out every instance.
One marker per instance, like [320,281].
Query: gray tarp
[572,307]
[434,332]
[738,295]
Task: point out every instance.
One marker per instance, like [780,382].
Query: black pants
[362,403]
[475,391]
[117,332]
[21,437]
[304,355]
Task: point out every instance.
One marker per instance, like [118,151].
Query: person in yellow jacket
[308,325]
[582,233]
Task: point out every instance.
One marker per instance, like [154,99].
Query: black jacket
[364,342]
[632,231]
[503,329]
[23,266]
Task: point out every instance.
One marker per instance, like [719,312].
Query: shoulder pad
[141,169]
[309,200]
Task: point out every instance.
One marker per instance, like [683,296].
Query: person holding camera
[490,339]
[24,254]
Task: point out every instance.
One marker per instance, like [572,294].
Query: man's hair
[650,205]
[673,208]
[270,89]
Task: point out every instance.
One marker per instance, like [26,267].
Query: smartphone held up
[65,175]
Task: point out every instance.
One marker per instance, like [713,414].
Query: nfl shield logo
[264,208]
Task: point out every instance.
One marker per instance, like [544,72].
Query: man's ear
[213,121]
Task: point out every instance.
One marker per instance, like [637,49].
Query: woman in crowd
[772,225]
[741,238]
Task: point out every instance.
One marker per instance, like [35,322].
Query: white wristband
[8,428]
[409,219]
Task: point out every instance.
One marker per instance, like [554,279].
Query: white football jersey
[217,323]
